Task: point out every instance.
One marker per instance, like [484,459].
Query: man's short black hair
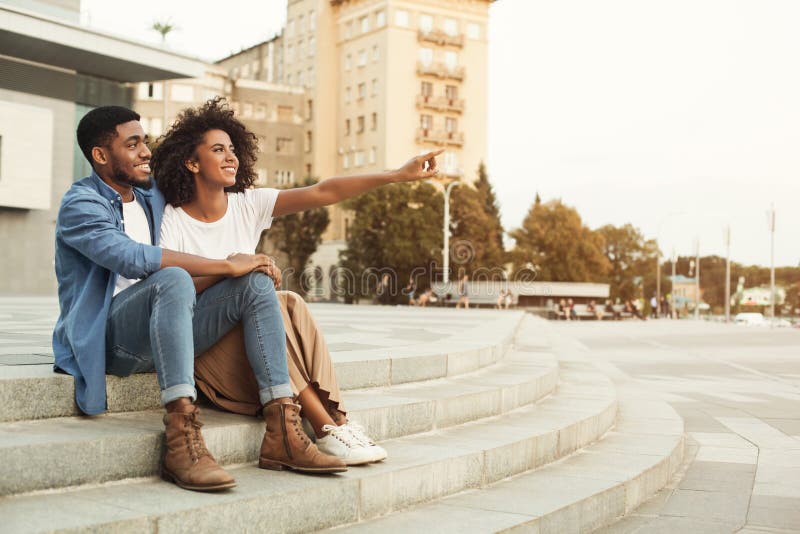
[99,127]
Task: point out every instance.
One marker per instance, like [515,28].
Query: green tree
[396,229]
[632,260]
[491,207]
[561,248]
[163,28]
[297,236]
[475,247]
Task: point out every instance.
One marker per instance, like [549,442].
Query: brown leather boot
[187,462]
[286,446]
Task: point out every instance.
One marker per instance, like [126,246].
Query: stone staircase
[487,430]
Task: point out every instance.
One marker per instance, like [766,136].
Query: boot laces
[194,438]
[294,419]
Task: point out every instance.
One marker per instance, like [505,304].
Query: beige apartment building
[273,112]
[386,80]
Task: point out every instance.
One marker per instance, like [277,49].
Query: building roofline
[249,48]
[36,37]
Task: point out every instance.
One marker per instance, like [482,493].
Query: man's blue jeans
[158,324]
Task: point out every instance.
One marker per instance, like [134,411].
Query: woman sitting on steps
[204,167]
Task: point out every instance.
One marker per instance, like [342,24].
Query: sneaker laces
[359,434]
[342,434]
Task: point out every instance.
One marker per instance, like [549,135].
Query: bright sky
[679,117]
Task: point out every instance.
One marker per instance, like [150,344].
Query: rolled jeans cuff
[275,392]
[176,392]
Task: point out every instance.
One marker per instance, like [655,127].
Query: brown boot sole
[280,466]
[169,477]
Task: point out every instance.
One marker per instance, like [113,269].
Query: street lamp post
[446,231]
[672,291]
[771,222]
[697,279]
[728,274]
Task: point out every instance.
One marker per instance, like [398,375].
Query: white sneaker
[341,443]
[357,431]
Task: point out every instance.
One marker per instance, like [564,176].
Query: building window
[308,167]
[309,110]
[347,126]
[426,122]
[181,93]
[451,125]
[374,121]
[284,145]
[347,61]
[312,20]
[359,158]
[362,58]
[261,111]
[300,24]
[247,110]
[150,91]
[346,161]
[312,46]
[156,126]
[309,139]
[372,155]
[288,79]
[451,92]
[347,94]
[401,18]
[376,53]
[450,26]
[285,113]
[310,77]
[450,163]
[426,56]
[362,90]
[300,50]
[426,23]
[360,124]
[290,28]
[262,177]
[380,19]
[348,30]
[451,60]
[473,30]
[427,90]
[375,87]
[289,54]
[364,24]
[301,78]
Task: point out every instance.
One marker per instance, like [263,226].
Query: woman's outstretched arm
[340,188]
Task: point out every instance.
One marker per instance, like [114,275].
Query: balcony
[440,103]
[440,38]
[440,70]
[440,137]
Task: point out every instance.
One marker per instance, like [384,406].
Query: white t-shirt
[137,227]
[239,230]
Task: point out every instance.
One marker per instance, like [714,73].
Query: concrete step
[124,445]
[420,468]
[36,392]
[590,489]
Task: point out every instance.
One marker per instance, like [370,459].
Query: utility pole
[771,222]
[658,282]
[728,274]
[446,231]
[697,278]
[672,292]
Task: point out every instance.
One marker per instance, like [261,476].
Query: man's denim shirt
[92,248]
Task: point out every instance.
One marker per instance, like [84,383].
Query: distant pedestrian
[410,291]
[463,293]
[654,307]
[382,295]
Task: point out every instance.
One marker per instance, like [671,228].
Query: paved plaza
[736,388]
[738,391]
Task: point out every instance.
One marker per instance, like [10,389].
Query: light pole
[673,311]
[446,231]
[771,223]
[697,278]
[728,274]
[658,259]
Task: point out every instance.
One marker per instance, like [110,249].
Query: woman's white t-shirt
[239,230]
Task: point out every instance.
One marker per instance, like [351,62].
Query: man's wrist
[227,267]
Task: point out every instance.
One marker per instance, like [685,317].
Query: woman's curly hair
[178,145]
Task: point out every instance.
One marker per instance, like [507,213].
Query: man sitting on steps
[128,306]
